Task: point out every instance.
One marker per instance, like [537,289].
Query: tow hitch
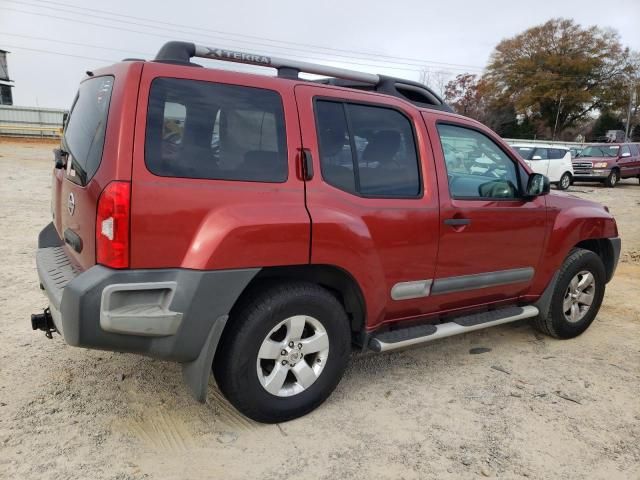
[44,322]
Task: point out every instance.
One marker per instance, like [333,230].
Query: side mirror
[537,185]
[536,157]
[625,155]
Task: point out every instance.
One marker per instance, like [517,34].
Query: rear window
[84,134]
[208,130]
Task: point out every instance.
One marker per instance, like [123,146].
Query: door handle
[307,164]
[457,222]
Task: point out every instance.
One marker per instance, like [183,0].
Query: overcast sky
[398,38]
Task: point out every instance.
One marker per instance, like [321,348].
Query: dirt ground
[531,407]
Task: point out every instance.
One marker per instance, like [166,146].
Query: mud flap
[544,302]
[196,373]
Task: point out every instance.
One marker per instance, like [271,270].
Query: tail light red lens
[112,225]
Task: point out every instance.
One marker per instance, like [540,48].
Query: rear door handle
[307,164]
[457,222]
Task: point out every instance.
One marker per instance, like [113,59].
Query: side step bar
[406,337]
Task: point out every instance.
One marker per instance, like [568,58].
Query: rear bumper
[164,313]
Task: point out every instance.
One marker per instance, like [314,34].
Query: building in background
[6,97]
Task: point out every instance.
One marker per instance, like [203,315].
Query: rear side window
[84,134]
[367,150]
[208,130]
[557,153]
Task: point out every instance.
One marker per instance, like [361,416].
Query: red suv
[259,227]
[607,163]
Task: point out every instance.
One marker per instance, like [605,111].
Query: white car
[550,160]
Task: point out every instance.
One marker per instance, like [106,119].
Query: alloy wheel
[579,296]
[292,356]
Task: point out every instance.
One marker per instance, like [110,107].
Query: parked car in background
[607,163]
[550,160]
[259,227]
[575,151]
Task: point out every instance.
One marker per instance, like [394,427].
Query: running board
[406,337]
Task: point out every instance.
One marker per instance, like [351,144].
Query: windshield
[84,134]
[600,151]
[525,152]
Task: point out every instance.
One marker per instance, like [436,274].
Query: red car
[607,163]
[259,227]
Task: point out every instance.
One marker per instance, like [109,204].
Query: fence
[30,121]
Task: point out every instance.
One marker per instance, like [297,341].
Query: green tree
[559,73]
[471,96]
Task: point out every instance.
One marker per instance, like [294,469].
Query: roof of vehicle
[181,53]
[539,145]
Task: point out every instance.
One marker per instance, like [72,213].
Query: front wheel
[284,353]
[565,181]
[613,179]
[577,297]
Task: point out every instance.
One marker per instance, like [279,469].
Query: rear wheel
[565,181]
[613,178]
[285,352]
[578,294]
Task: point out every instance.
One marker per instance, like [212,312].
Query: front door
[491,238]
[373,198]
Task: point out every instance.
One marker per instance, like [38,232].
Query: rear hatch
[75,193]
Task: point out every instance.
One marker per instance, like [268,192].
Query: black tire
[565,181]
[235,367]
[613,178]
[553,322]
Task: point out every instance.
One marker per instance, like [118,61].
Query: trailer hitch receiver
[43,321]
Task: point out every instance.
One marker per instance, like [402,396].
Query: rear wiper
[60,157]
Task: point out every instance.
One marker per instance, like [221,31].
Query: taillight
[112,225]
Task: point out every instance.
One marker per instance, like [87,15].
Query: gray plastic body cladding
[203,297]
[48,237]
[616,245]
[481,280]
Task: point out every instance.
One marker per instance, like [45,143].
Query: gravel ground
[529,407]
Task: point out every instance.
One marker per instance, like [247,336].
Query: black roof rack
[421,95]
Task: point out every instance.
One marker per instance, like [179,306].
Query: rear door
[540,161]
[373,197]
[634,148]
[99,139]
[627,162]
[491,238]
[559,163]
[215,184]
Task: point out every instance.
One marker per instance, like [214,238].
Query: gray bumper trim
[463,283]
[198,299]
[201,297]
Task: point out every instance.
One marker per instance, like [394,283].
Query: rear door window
[207,130]
[367,150]
[540,154]
[85,131]
[557,153]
